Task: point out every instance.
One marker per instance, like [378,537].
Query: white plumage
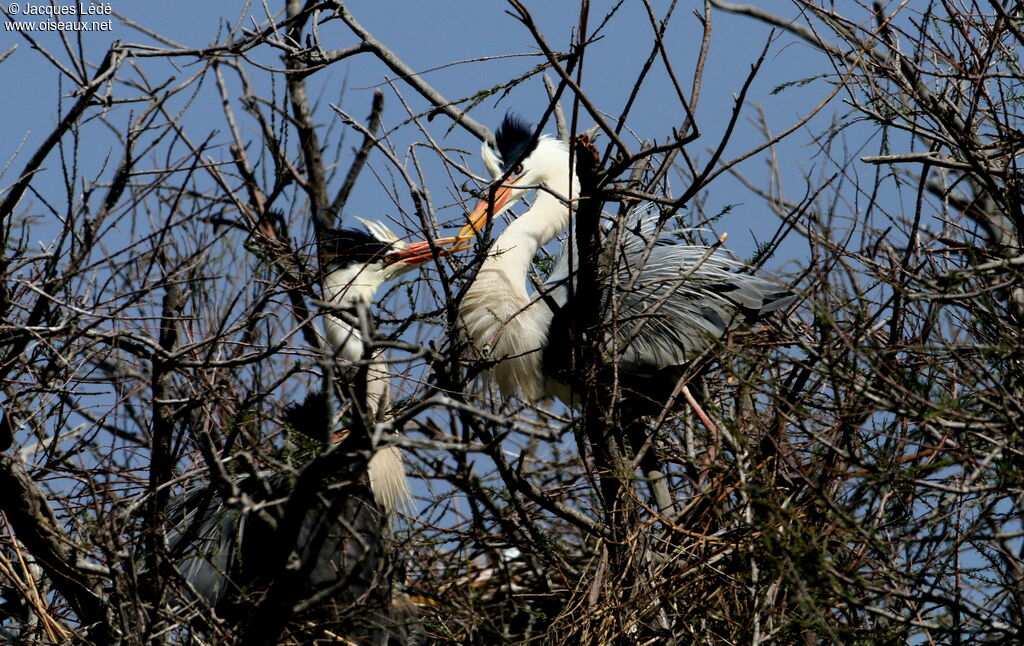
[503,321]
[357,265]
[670,300]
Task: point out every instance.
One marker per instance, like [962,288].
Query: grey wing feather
[556,284]
[671,300]
[215,528]
[214,531]
[674,300]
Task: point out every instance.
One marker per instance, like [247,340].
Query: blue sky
[429,35]
[470,46]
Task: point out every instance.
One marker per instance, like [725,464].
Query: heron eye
[518,169]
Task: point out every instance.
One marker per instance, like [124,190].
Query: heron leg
[641,438]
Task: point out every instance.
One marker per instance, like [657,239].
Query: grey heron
[672,300]
[355,265]
[218,544]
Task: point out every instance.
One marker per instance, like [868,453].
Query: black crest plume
[343,247]
[514,139]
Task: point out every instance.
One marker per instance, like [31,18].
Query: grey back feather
[211,537]
[670,300]
[216,530]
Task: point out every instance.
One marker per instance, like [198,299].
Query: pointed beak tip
[486,209]
[421,251]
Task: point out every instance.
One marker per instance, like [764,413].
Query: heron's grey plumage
[665,301]
[670,300]
[218,545]
[219,548]
[212,531]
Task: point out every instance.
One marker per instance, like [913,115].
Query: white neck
[350,286]
[497,314]
[513,251]
[356,286]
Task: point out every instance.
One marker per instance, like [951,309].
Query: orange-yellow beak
[421,251]
[415,253]
[484,211]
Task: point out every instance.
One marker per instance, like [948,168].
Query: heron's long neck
[512,253]
[497,312]
[346,289]
[350,288]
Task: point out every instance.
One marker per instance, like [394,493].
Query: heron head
[375,256]
[519,161]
